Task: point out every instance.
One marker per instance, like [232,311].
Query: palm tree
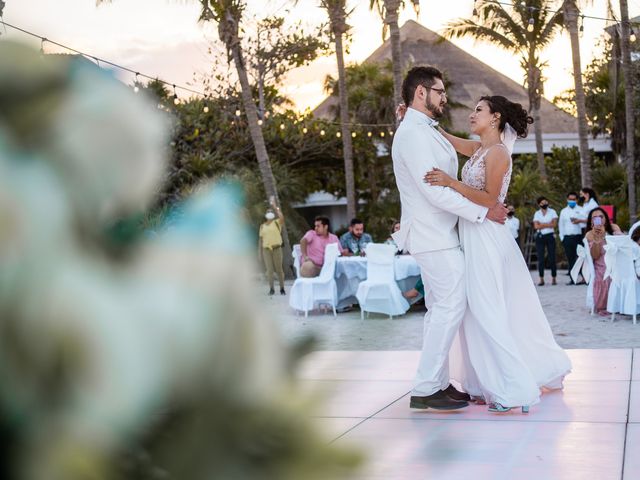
[524,30]
[337,11]
[628,108]
[228,15]
[389,11]
[570,9]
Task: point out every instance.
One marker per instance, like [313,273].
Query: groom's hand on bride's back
[497,213]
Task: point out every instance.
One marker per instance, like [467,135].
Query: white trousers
[446,301]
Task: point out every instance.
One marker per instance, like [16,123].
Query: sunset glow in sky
[162,37]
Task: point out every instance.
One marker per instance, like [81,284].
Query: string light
[530,25]
[475,10]
[282,127]
[382,134]
[581,23]
[322,133]
[632,36]
[176,100]
[136,89]
[338,134]
[42,40]
[238,113]
[369,134]
[305,130]
[260,122]
[353,134]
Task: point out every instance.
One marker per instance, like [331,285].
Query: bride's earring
[493,124]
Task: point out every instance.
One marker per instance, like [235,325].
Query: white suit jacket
[429,214]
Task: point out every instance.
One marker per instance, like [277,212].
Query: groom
[428,229]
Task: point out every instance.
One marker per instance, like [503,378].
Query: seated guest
[598,226]
[635,237]
[312,247]
[390,241]
[355,240]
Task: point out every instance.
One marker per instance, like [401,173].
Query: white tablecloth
[350,271]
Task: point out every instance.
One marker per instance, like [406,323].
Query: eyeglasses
[440,91]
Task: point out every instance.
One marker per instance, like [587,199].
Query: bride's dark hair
[510,112]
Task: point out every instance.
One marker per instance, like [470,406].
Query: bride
[506,352]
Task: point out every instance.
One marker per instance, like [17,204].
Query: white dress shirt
[514,225]
[588,206]
[565,226]
[543,217]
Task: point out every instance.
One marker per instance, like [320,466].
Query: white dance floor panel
[591,429]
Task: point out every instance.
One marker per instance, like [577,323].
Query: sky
[162,38]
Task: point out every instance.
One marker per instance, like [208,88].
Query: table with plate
[350,271]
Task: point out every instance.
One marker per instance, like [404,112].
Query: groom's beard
[437,110]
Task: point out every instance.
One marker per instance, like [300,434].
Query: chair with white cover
[633,227]
[297,255]
[379,292]
[624,291]
[584,266]
[309,293]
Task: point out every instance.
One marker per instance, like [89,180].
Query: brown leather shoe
[437,401]
[456,394]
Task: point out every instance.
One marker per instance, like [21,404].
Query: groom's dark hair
[425,76]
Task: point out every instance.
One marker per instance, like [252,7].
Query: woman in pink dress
[598,226]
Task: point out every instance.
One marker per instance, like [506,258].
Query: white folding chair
[379,292]
[309,293]
[297,255]
[624,291]
[633,227]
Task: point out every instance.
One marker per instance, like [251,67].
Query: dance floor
[589,430]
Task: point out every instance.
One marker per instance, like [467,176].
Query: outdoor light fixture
[282,126]
[136,89]
[338,134]
[530,26]
[205,109]
[632,36]
[176,100]
[322,133]
[238,113]
[353,134]
[305,130]
[260,122]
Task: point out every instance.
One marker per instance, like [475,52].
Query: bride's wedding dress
[505,350]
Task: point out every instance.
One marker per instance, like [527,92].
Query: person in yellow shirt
[270,245]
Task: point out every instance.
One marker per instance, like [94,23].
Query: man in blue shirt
[355,240]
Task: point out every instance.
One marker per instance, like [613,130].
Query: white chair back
[328,271]
[618,258]
[297,255]
[380,258]
[633,227]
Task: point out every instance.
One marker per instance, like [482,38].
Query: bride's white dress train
[505,350]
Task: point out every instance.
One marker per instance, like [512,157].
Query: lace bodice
[474,173]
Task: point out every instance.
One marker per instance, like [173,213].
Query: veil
[508,137]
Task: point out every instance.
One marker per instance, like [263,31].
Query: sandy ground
[570,320]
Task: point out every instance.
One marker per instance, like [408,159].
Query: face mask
[572,203]
[544,206]
[582,199]
[510,214]
[270,216]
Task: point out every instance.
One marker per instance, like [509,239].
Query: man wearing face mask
[513,223]
[544,223]
[270,246]
[570,228]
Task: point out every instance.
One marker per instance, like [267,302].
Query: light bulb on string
[42,40]
[353,134]
[369,134]
[282,127]
[322,133]
[382,134]
[338,134]
[530,25]
[581,24]
[260,121]
[136,89]
[632,36]
[305,130]
[238,113]
[475,10]
[176,100]
[391,133]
